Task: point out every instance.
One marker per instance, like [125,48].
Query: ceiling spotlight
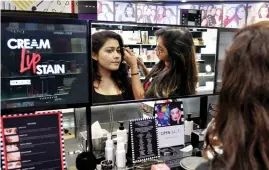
[183,1]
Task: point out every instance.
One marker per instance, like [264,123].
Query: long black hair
[120,76]
[181,76]
[80,87]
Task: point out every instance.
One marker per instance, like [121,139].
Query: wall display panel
[234,15]
[105,11]
[146,13]
[179,7]
[141,39]
[58,6]
[125,12]
[258,12]
[41,60]
[167,14]
[212,15]
[32,141]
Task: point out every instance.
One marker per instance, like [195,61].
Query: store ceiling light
[183,1]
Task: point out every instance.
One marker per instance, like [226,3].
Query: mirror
[178,62]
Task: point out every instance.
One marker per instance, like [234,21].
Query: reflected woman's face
[175,114]
[129,11]
[161,51]
[213,11]
[230,13]
[109,56]
[264,12]
[241,13]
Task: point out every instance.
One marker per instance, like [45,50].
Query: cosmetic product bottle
[122,133]
[109,149]
[120,156]
[188,125]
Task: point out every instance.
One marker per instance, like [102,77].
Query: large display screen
[40,62]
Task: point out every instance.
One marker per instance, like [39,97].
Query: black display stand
[143,141]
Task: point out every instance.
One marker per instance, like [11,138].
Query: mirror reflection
[132,62]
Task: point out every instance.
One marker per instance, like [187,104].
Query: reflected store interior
[141,39]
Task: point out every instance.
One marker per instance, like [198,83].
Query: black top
[79,93]
[100,98]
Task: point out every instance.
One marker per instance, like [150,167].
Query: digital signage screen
[41,59]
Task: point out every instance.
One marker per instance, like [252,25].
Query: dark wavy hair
[182,76]
[119,76]
[242,124]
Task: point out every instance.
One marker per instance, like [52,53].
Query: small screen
[40,63]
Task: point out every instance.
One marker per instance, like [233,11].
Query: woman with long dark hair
[176,72]
[110,75]
[241,14]
[238,138]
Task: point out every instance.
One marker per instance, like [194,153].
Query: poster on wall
[212,15]
[125,12]
[146,13]
[234,15]
[59,6]
[167,14]
[187,6]
[32,141]
[258,12]
[105,10]
[170,119]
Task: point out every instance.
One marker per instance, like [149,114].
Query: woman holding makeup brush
[175,74]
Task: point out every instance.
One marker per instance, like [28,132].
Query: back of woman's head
[120,76]
[242,123]
[182,72]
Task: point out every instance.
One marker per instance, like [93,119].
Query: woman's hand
[140,62]
[130,58]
